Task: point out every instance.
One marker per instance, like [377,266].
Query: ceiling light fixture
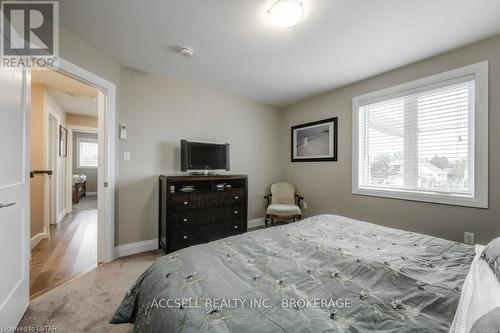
[286,13]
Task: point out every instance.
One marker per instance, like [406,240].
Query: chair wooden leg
[272,221]
[266,220]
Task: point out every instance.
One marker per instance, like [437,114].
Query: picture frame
[63,141]
[315,141]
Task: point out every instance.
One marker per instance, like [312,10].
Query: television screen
[204,156]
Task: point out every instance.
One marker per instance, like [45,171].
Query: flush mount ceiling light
[286,13]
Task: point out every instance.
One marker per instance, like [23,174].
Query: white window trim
[480,192]
[78,165]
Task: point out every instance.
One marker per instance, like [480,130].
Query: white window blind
[87,153]
[419,140]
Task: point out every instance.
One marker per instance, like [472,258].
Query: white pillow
[480,294]
[489,323]
[491,254]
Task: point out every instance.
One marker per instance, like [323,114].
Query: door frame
[51,163]
[106,171]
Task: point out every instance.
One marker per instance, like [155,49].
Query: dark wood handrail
[33,173]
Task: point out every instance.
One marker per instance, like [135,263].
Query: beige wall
[79,120]
[59,179]
[327,185]
[159,111]
[42,103]
[78,52]
[37,185]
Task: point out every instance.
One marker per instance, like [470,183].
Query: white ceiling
[75,97]
[236,49]
[82,105]
[63,82]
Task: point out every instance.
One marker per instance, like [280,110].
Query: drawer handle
[184,237]
[236,197]
[235,227]
[235,212]
[185,202]
[185,220]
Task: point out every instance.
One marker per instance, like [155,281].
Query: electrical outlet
[469,237]
[304,205]
[126,156]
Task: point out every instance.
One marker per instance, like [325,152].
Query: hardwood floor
[70,251]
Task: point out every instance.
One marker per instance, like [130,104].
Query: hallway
[70,251]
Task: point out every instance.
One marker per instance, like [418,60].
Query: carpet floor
[86,303]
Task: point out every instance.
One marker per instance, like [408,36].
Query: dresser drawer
[185,237]
[182,238]
[233,213]
[183,202]
[191,218]
[235,227]
[232,197]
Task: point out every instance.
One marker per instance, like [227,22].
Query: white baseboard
[91,194]
[138,247]
[258,222]
[152,244]
[37,238]
[61,215]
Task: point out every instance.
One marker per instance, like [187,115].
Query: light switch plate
[469,237]
[126,156]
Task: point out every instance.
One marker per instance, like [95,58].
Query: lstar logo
[30,34]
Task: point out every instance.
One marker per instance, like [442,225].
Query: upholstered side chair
[283,203]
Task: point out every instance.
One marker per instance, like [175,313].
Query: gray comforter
[322,274]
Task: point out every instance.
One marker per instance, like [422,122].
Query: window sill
[447,199]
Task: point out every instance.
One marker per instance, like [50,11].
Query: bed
[323,274]
[79,187]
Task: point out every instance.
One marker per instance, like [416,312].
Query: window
[87,154]
[426,140]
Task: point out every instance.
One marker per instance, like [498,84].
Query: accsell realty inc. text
[235,303]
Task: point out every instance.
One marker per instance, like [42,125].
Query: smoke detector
[186,51]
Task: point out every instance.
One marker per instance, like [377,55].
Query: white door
[14,196]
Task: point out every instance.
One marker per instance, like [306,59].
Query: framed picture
[63,141]
[316,141]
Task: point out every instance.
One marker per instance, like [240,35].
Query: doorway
[15,180]
[63,232]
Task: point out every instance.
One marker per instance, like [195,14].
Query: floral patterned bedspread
[323,274]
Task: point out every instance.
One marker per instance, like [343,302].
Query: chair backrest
[283,193]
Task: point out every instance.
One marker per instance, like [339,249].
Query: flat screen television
[202,156]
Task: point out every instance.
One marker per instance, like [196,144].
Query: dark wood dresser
[199,209]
